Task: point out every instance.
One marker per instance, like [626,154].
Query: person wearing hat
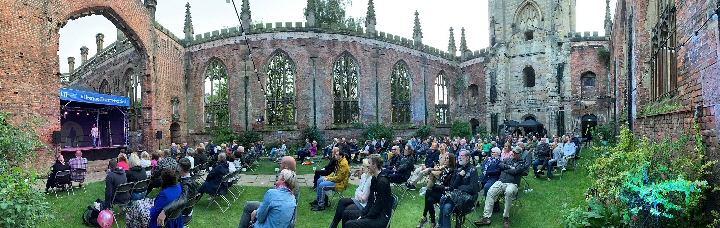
[512,171]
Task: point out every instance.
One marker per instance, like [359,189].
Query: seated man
[214,178]
[336,181]
[464,180]
[287,163]
[401,172]
[512,171]
[543,153]
[327,170]
[569,150]
[431,161]
[78,163]
[168,161]
[115,177]
[394,159]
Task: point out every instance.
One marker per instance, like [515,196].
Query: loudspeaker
[158,135]
[57,137]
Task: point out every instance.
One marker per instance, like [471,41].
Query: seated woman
[214,178]
[362,193]
[313,149]
[123,161]
[434,193]
[59,165]
[377,211]
[171,190]
[278,205]
[135,174]
[336,181]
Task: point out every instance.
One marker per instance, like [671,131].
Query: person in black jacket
[431,161]
[543,153]
[327,170]
[115,177]
[189,189]
[135,174]
[466,180]
[377,211]
[401,172]
[512,171]
[214,178]
[434,194]
[394,160]
[59,165]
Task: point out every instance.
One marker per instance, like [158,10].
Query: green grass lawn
[265,166]
[540,208]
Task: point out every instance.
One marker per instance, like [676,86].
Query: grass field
[540,207]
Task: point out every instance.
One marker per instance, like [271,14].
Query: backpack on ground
[91,213]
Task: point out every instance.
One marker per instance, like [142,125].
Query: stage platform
[93,154]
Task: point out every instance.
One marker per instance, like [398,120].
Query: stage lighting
[65,112]
[78,113]
[87,114]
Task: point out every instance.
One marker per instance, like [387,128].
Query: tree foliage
[461,129]
[332,12]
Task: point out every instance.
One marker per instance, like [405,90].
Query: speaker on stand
[57,138]
[158,136]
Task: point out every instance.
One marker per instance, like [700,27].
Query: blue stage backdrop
[93,98]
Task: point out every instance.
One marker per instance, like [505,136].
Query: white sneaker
[563,169]
[423,190]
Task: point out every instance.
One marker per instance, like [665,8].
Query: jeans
[95,141]
[446,210]
[323,187]
[544,162]
[250,206]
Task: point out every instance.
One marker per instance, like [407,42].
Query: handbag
[462,200]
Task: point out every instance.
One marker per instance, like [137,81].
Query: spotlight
[65,112]
[87,114]
[78,113]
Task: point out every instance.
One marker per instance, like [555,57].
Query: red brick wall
[584,58]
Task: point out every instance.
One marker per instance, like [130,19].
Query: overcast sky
[393,16]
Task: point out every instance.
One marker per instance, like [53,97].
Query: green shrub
[249,137]
[224,135]
[378,131]
[652,184]
[605,132]
[314,134]
[461,129]
[20,205]
[424,131]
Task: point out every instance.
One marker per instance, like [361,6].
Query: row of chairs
[227,185]
[65,183]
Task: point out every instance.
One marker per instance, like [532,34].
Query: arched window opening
[216,95]
[104,87]
[345,83]
[588,79]
[134,92]
[529,76]
[528,35]
[441,103]
[280,90]
[400,93]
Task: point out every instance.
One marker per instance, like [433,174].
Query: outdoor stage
[92,154]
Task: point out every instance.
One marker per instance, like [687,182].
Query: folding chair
[392,212]
[402,189]
[141,186]
[190,204]
[568,162]
[234,176]
[83,173]
[63,181]
[460,218]
[238,189]
[221,192]
[123,188]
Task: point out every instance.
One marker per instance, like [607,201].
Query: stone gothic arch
[528,16]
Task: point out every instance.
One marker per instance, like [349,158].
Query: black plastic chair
[220,192]
[190,204]
[62,181]
[141,186]
[392,212]
[123,188]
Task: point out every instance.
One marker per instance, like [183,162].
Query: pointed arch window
[441,103]
[664,56]
[345,90]
[280,90]
[134,92]
[216,95]
[400,93]
[104,87]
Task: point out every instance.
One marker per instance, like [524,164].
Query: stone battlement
[576,36]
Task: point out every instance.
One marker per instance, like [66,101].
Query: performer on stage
[95,134]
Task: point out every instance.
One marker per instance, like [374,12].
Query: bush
[224,135]
[314,134]
[249,137]
[20,205]
[605,132]
[461,129]
[424,132]
[652,184]
[378,131]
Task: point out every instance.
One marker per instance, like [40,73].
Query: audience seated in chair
[123,161]
[437,189]
[305,151]
[327,170]
[465,181]
[401,171]
[431,161]
[166,162]
[171,191]
[57,167]
[512,171]
[214,178]
[336,181]
[376,214]
[78,163]
[491,173]
[362,193]
[189,189]
[115,177]
[287,163]
[278,205]
[135,174]
[544,155]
